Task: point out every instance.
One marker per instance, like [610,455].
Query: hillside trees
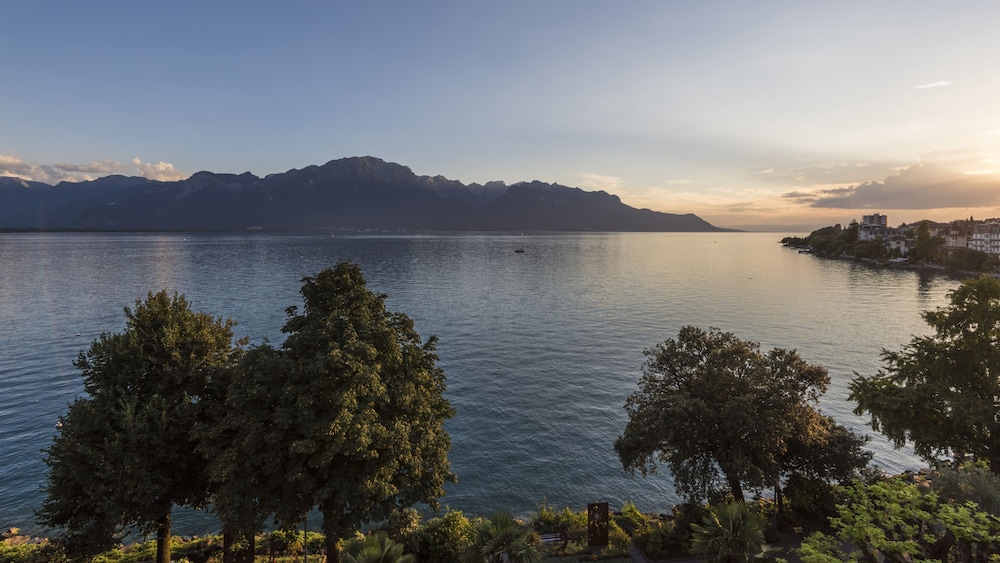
[941,391]
[347,415]
[125,455]
[710,404]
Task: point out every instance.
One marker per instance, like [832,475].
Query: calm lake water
[540,348]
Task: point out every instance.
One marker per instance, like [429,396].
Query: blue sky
[747,113]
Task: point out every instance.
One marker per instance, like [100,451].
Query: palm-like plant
[731,533]
[377,548]
[502,539]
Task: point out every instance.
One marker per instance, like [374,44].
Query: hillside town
[963,245]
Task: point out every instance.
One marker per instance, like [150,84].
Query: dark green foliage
[969,260]
[731,533]
[926,246]
[811,501]
[874,249]
[125,454]
[833,241]
[348,415]
[940,391]
[502,539]
[662,540]
[711,405]
[970,482]
[376,548]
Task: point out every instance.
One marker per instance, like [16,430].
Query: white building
[986,238]
[873,226]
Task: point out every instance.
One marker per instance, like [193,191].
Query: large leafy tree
[709,403]
[347,416]
[124,454]
[942,391]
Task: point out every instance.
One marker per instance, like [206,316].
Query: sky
[768,115]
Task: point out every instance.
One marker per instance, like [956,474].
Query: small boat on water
[519,250]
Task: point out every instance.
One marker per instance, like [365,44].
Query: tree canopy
[124,455]
[709,403]
[942,392]
[347,415]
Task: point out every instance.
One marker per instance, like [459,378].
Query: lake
[540,348]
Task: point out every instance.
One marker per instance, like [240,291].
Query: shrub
[970,483]
[31,553]
[731,532]
[445,539]
[662,540]
[618,538]
[630,518]
[377,548]
[575,523]
[403,526]
[811,502]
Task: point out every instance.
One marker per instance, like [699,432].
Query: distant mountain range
[349,194]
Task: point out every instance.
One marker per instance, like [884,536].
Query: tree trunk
[247,552]
[332,539]
[163,539]
[227,547]
[779,501]
[734,486]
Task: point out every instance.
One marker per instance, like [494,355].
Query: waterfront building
[873,226]
[986,238]
[898,243]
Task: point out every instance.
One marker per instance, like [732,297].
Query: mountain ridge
[347,194]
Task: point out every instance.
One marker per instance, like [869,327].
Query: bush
[31,553]
[811,502]
[969,483]
[662,540]
[403,526]
[731,532]
[575,523]
[445,539]
[630,518]
[618,538]
[293,541]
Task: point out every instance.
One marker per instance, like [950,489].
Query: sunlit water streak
[540,348]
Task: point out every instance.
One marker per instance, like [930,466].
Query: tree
[926,246]
[710,403]
[940,391]
[347,416]
[125,455]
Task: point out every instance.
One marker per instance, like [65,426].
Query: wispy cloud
[71,172]
[944,178]
[102,168]
[938,84]
[593,181]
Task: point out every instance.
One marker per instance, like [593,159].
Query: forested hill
[362,193]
